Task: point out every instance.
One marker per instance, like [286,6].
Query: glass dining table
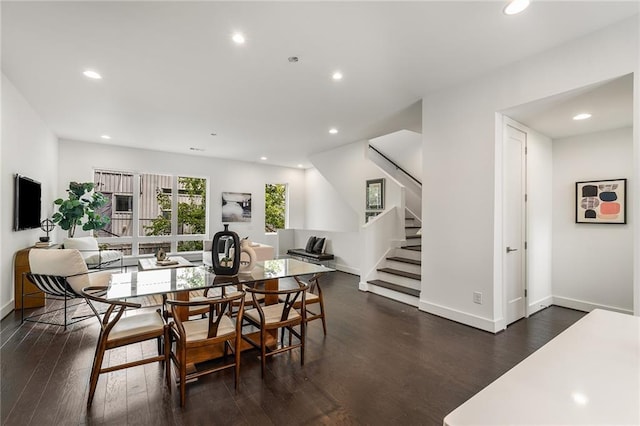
[183,280]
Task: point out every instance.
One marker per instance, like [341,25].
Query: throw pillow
[310,243]
[88,246]
[318,247]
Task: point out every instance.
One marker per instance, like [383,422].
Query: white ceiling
[172,76]
[610,104]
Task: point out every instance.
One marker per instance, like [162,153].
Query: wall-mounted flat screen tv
[27,200]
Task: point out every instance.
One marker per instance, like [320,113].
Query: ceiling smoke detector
[293,59]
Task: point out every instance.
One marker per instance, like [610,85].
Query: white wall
[592,263]
[79,159]
[324,208]
[347,169]
[462,205]
[404,147]
[27,147]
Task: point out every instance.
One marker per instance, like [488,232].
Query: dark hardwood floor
[381,363]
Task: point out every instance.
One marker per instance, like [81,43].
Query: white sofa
[263,252]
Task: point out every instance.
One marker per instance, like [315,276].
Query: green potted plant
[81,205]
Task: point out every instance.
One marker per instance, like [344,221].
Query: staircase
[398,276]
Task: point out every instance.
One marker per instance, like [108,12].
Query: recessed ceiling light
[515,6]
[105,137]
[333,131]
[92,74]
[300,166]
[263,158]
[337,75]
[238,38]
[582,116]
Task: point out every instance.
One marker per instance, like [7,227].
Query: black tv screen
[26,203]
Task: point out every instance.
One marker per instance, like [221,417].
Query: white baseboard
[346,268]
[582,305]
[492,326]
[539,305]
[7,308]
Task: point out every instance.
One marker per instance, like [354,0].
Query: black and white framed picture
[375,194]
[236,207]
[601,201]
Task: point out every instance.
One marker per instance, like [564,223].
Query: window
[275,208]
[156,205]
[164,211]
[123,203]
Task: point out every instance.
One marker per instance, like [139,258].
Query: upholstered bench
[313,252]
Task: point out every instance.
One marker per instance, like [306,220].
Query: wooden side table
[21,266]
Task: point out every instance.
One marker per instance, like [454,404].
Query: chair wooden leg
[237,355]
[263,349]
[324,321]
[95,369]
[167,356]
[303,328]
[183,378]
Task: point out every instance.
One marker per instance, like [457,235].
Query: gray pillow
[310,244]
[318,247]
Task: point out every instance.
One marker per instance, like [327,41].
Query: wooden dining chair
[204,339]
[271,318]
[313,297]
[117,330]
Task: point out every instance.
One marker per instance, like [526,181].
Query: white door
[514,222]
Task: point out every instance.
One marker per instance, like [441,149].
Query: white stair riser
[409,254]
[397,279]
[411,231]
[413,241]
[407,267]
[394,295]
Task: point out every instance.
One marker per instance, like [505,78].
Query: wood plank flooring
[381,363]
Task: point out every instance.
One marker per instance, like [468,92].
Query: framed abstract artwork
[601,201]
[236,207]
[375,194]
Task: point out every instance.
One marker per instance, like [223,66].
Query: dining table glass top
[145,283]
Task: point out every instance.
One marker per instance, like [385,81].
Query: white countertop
[589,374]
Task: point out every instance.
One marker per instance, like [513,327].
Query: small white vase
[247,256]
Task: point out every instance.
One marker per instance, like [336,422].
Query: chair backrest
[218,308]
[115,307]
[66,263]
[288,297]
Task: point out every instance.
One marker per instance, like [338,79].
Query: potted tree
[80,208]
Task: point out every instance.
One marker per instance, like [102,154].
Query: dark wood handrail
[395,165]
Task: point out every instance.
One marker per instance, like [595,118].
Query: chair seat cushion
[103,257]
[99,279]
[135,325]
[199,329]
[272,313]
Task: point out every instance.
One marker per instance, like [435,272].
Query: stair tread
[413,237]
[414,248]
[404,260]
[395,287]
[400,273]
